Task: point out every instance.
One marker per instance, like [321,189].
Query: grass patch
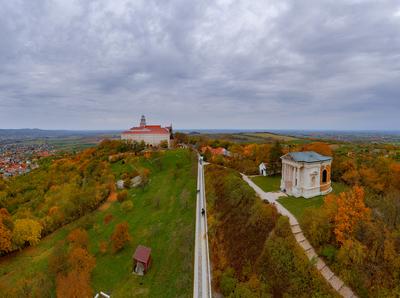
[162,217]
[268,183]
[297,206]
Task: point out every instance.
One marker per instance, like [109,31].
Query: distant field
[267,135]
[255,137]
[61,139]
[162,218]
[70,143]
[297,205]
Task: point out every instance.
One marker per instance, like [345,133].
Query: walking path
[202,276]
[330,277]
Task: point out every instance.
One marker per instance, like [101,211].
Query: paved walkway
[329,276]
[202,276]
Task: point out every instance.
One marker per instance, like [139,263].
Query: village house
[216,151]
[306,174]
[153,135]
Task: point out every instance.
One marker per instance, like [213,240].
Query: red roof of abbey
[148,129]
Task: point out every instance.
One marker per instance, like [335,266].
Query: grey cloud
[212,64]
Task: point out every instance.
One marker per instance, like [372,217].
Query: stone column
[298,176]
[294,176]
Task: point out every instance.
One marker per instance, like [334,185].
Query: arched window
[324,176]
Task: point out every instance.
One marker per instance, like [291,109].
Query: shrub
[87,222]
[78,238]
[228,282]
[122,196]
[108,218]
[127,206]
[329,252]
[103,246]
[120,237]
[58,259]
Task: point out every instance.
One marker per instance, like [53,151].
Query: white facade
[305,177]
[150,139]
[262,168]
[150,134]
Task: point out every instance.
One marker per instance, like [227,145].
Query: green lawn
[268,183]
[297,205]
[163,218]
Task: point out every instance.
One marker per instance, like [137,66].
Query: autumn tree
[319,147]
[5,239]
[80,260]
[181,138]
[58,259]
[78,238]
[73,285]
[108,218]
[26,230]
[348,210]
[5,231]
[120,237]
[274,160]
[122,195]
[76,282]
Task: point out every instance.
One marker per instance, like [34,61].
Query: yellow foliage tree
[348,209]
[5,233]
[26,230]
[5,239]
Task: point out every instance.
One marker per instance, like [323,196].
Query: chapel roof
[306,156]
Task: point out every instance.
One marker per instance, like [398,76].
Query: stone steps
[336,283]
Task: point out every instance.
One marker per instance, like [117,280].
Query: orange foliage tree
[78,238]
[120,236]
[73,285]
[347,210]
[76,283]
[319,147]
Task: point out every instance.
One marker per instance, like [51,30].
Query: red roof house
[216,151]
[141,259]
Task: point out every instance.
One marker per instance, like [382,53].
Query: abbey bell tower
[142,121]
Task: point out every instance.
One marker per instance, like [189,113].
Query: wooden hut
[141,260]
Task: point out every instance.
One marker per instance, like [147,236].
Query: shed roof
[142,254]
[306,156]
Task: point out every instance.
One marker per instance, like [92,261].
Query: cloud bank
[88,64]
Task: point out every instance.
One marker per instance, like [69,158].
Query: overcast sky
[87,64]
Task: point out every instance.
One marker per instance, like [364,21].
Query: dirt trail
[111,198]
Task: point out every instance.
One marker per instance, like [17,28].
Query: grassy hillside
[162,218]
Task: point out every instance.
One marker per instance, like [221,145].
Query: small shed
[141,260]
[263,169]
[120,184]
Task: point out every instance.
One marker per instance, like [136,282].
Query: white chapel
[306,174]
